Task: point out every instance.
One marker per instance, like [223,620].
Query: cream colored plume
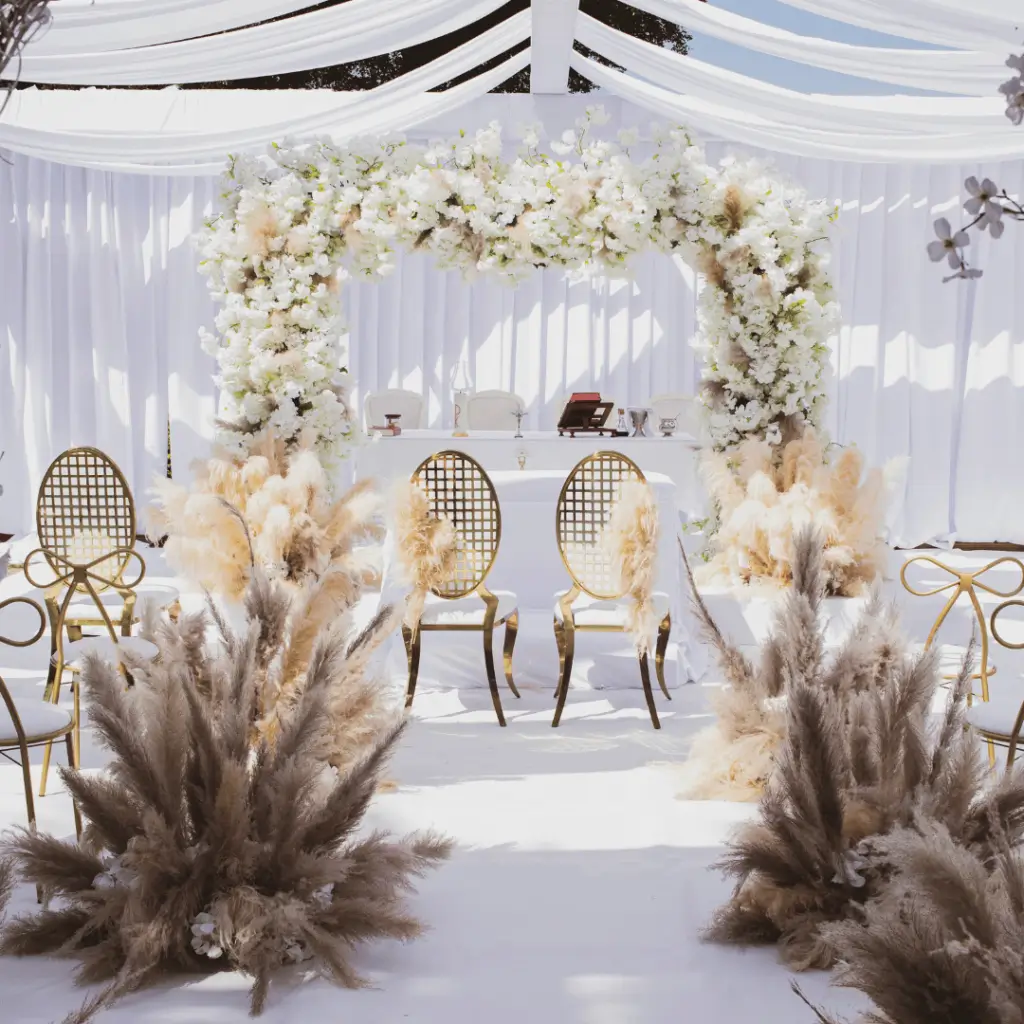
[298,532]
[631,540]
[764,503]
[426,546]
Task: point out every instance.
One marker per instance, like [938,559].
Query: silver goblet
[638,417]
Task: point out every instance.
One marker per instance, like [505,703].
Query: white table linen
[675,458]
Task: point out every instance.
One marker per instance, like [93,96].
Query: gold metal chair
[85,519]
[458,488]
[965,583]
[1000,721]
[36,723]
[584,508]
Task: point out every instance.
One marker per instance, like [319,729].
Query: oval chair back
[85,515]
[458,488]
[585,506]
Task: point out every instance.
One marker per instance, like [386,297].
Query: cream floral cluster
[294,222]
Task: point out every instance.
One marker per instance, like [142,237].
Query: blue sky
[787,73]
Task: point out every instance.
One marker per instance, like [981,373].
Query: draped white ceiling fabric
[996,28]
[101,304]
[331,35]
[392,107]
[955,71]
[89,26]
[746,126]
[970,117]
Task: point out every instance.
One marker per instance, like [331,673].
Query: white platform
[578,888]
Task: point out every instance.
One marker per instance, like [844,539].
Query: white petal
[942,228]
[971,184]
[961,238]
[936,251]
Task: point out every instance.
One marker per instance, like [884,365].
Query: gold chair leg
[645,677]
[412,653]
[492,679]
[659,654]
[568,649]
[48,749]
[511,631]
[560,642]
[127,613]
[26,771]
[992,756]
[73,763]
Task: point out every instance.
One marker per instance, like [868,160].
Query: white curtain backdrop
[100,303]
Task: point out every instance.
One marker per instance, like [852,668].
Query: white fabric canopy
[929,21]
[83,26]
[955,71]
[391,107]
[745,126]
[971,117]
[331,35]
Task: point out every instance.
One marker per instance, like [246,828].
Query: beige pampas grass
[631,539]
[946,943]
[209,847]
[765,501]
[857,761]
[283,498]
[426,546]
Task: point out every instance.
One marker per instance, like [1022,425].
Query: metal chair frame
[612,469]
[476,517]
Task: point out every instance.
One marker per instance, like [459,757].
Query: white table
[388,458]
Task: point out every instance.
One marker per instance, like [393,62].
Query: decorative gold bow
[966,583]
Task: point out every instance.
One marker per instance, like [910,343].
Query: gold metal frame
[26,741]
[458,488]
[965,583]
[85,518]
[580,520]
[997,739]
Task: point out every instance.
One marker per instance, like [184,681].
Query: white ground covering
[579,886]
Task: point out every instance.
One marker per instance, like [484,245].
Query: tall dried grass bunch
[631,539]
[945,945]
[857,761]
[765,499]
[426,546]
[211,845]
[278,498]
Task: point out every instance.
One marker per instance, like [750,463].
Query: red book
[585,396]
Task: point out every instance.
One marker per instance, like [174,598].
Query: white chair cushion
[998,714]
[83,606]
[589,611]
[465,611]
[75,652]
[39,718]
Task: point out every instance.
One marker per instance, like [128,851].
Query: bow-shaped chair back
[85,519]
[965,583]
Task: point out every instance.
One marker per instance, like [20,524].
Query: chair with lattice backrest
[85,520]
[584,510]
[999,719]
[458,489]
[33,723]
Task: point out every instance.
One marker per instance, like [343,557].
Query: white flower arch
[293,223]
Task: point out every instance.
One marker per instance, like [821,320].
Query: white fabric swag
[391,107]
[955,71]
[86,26]
[100,309]
[749,128]
[996,27]
[331,35]
[967,116]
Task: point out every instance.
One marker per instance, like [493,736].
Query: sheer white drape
[330,35]
[100,304]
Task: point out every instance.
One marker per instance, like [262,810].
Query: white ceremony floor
[575,896]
